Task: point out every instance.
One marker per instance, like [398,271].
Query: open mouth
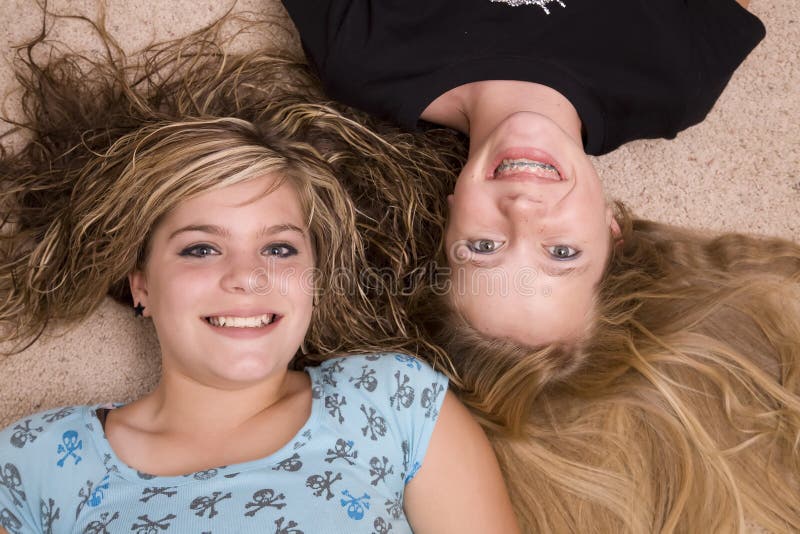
[256,321]
[512,167]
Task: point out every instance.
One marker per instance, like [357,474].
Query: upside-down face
[529,234]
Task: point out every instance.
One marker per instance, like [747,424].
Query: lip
[530,153]
[246,332]
[241,312]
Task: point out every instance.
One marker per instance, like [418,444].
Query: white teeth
[241,322]
[544,169]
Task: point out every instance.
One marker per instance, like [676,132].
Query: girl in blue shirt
[231,235]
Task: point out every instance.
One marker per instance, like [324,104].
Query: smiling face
[228,283]
[529,234]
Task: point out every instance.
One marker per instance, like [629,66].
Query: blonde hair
[680,413]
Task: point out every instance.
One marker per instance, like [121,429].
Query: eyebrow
[565,271]
[484,263]
[224,232]
[547,269]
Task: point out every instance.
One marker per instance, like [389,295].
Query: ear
[616,232]
[138,284]
[450,201]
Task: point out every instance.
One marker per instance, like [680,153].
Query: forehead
[268,197]
[531,309]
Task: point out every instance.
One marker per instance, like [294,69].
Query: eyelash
[497,245]
[289,250]
[563,258]
[193,251]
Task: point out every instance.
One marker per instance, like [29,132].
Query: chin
[247,371]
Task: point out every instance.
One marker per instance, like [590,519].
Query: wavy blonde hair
[88,245]
[118,141]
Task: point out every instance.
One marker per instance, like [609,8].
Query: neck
[186,426]
[182,405]
[478,108]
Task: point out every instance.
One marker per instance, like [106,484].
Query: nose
[242,273]
[523,207]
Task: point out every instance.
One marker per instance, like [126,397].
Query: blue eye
[484,246]
[563,252]
[280,250]
[199,251]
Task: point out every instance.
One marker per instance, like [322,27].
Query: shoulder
[61,435]
[393,394]
[379,370]
[379,361]
[31,430]
[383,382]
[38,453]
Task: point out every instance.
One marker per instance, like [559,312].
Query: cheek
[302,296]
[592,207]
[465,186]
[471,204]
[301,303]
[296,281]
[178,289]
[595,195]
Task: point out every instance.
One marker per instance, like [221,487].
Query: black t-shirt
[632,68]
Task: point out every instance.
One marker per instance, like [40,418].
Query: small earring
[138,310]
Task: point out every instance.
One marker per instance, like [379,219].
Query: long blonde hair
[681,413]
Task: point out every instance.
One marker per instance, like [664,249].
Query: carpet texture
[737,171]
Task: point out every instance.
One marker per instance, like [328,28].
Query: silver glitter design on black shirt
[541,3]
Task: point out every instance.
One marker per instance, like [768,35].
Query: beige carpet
[739,170]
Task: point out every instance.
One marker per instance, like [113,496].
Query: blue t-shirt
[345,470]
